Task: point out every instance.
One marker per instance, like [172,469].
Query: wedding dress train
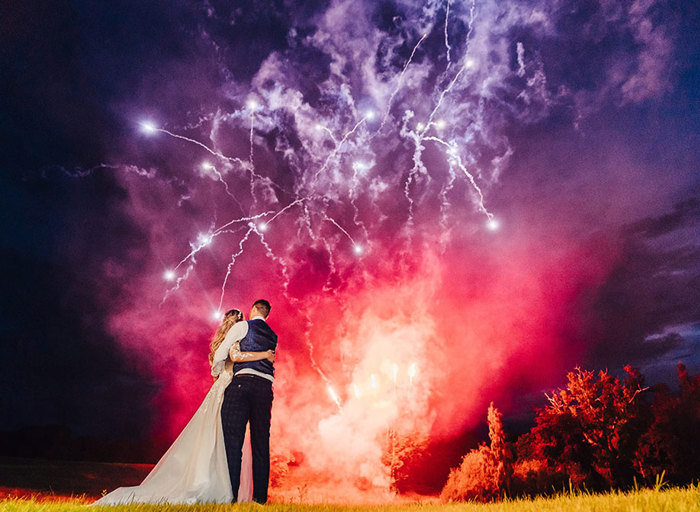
[194,469]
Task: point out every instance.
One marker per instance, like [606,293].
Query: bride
[194,469]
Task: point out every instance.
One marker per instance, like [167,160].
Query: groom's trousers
[248,399]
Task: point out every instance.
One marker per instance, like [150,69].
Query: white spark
[169,275]
[204,239]
[344,231]
[334,396]
[411,372]
[178,282]
[360,166]
[493,224]
[148,127]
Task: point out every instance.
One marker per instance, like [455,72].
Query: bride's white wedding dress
[194,469]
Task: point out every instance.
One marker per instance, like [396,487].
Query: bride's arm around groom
[230,349]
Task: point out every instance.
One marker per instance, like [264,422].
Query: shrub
[482,473]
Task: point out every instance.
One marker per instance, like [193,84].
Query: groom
[249,399]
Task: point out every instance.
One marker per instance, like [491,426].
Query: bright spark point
[469,64]
[262,227]
[318,127]
[204,239]
[357,391]
[358,249]
[369,115]
[253,105]
[333,395]
[207,165]
[169,275]
[420,127]
[360,166]
[441,124]
[216,315]
[148,127]
[492,224]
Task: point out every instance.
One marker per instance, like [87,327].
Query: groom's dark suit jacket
[260,338]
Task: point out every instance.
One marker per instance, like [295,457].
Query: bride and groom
[209,461]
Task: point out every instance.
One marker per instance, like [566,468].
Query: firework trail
[334,153]
[207,166]
[345,169]
[230,265]
[399,83]
[149,128]
[448,48]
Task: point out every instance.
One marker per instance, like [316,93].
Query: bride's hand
[270,356]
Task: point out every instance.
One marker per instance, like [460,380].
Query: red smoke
[413,344]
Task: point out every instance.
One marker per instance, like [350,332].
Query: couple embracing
[212,458]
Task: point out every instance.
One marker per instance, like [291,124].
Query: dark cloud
[655,287]
[685,214]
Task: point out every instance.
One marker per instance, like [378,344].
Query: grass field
[681,500]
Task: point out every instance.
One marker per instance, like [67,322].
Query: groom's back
[260,338]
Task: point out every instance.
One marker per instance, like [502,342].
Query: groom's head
[260,308]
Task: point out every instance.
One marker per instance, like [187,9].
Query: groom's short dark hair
[263,306]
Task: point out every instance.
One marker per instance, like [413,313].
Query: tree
[483,473]
[599,432]
[672,442]
[590,429]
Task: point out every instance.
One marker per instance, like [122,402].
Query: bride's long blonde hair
[230,318]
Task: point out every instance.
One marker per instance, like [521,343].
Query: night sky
[447,203]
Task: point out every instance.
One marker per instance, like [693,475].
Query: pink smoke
[416,344]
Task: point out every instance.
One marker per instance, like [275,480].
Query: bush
[482,474]
[532,477]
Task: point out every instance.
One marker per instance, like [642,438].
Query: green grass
[674,499]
